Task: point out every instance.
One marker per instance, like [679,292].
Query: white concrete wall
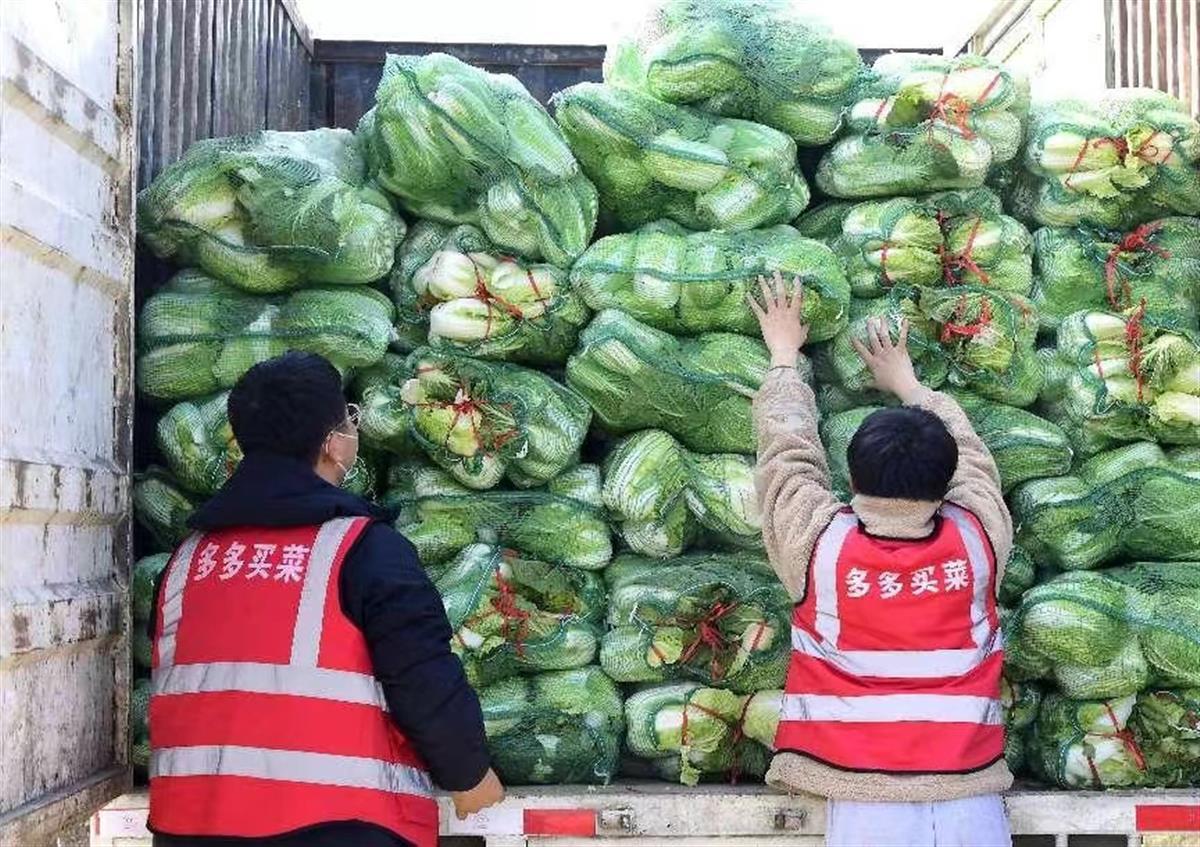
[66,292]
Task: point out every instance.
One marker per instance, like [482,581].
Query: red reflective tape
[579,822]
[1168,818]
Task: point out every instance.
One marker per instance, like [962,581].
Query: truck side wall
[66,323]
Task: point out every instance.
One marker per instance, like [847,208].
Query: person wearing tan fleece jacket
[935,458]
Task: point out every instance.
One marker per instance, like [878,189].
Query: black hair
[287,406]
[904,452]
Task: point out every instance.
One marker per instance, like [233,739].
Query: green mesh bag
[455,290]
[563,523]
[757,60]
[963,337]
[1111,633]
[484,421]
[1023,445]
[1124,377]
[197,336]
[162,507]
[272,211]
[942,240]
[824,222]
[1166,725]
[1021,701]
[1093,269]
[377,390]
[1126,159]
[197,443]
[698,389]
[1020,574]
[687,283]
[462,146]
[1134,501]
[559,727]
[688,733]
[511,615]
[652,160]
[139,723]
[721,619]
[663,496]
[1085,744]
[926,123]
[146,572]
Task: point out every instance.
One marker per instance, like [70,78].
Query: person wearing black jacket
[282,410]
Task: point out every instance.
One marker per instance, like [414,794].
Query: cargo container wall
[66,292]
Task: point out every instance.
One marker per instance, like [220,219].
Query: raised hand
[890,365]
[782,329]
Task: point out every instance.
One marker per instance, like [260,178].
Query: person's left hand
[782,329]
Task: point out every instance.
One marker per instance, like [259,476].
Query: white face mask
[345,470]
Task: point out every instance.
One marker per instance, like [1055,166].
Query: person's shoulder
[380,541]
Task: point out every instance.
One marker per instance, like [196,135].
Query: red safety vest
[265,715]
[897,652]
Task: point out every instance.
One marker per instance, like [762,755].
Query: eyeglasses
[353,415]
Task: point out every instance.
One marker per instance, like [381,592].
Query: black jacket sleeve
[386,594]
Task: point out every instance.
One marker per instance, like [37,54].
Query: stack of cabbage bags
[272,211]
[458,145]
[1119,161]
[757,60]
[456,290]
[926,123]
[1121,647]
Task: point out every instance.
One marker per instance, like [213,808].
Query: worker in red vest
[891,708]
[304,692]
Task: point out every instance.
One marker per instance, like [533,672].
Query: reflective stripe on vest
[909,664]
[263,678]
[291,766]
[887,708]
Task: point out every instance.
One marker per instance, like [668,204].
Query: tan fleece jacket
[797,504]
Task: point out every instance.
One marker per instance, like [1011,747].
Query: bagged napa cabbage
[926,123]
[484,421]
[272,211]
[1093,269]
[1021,572]
[663,497]
[1023,445]
[1127,158]
[1131,502]
[964,337]
[139,726]
[197,336]
[462,146]
[1021,701]
[688,733]
[562,523]
[824,222]
[1166,725]
[512,615]
[163,507]
[692,282]
[652,160]
[1111,633]
[757,60]
[377,390]
[721,619]
[1117,378]
[146,572]
[197,442]
[455,290]
[942,240]
[1085,744]
[697,389]
[559,727]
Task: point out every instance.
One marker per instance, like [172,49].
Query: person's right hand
[488,792]
[890,365]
